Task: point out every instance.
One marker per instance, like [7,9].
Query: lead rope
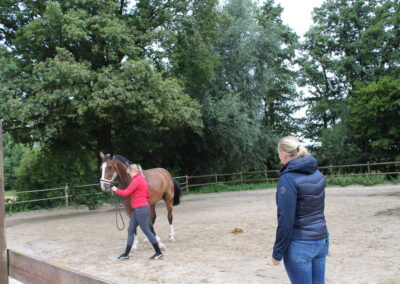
[118,211]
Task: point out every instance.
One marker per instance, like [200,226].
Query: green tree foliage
[76,75]
[45,170]
[235,61]
[82,66]
[80,76]
[251,97]
[194,57]
[350,43]
[280,98]
[338,147]
[187,85]
[375,112]
[13,153]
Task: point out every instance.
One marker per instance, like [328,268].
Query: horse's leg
[135,240]
[168,202]
[152,217]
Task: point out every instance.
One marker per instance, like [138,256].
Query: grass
[222,187]
[361,180]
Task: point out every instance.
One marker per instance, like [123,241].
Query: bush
[40,170]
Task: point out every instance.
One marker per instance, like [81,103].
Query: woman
[138,190]
[301,236]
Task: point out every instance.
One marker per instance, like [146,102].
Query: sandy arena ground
[364,225]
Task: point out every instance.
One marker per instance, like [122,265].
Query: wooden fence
[367,169]
[28,269]
[189,183]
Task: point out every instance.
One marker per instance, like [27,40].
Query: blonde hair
[136,168]
[291,145]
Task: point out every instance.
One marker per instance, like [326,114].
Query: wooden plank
[3,241]
[30,270]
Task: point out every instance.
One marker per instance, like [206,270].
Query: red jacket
[138,190]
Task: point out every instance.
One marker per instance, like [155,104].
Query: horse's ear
[101,155]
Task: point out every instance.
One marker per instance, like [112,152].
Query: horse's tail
[177,192]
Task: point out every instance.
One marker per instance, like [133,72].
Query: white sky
[297,13]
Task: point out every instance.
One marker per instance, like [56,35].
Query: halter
[109,181]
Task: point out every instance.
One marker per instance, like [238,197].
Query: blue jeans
[305,261]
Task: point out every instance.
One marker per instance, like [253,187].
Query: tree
[338,147]
[350,42]
[77,73]
[278,90]
[375,111]
[250,101]
[82,76]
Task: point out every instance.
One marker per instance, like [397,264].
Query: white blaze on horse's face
[106,184]
[103,173]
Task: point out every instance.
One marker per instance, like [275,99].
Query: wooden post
[216,178]
[187,183]
[66,194]
[369,168]
[266,175]
[3,241]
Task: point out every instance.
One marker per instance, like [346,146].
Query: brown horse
[161,185]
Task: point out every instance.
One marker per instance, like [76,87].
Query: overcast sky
[297,13]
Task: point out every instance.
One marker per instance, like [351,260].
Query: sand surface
[364,226]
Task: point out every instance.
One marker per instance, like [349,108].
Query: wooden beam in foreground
[3,241]
[29,270]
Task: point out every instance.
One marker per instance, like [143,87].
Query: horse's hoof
[172,239]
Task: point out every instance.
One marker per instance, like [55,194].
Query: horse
[160,182]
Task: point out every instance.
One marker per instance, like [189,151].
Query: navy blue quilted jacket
[300,198]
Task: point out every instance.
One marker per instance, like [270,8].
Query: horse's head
[108,172]
[112,168]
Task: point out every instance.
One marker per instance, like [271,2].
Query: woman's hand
[114,188]
[275,261]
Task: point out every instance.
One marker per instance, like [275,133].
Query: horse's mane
[122,159]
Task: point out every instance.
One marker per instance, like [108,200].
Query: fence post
[330,171]
[3,240]
[369,168]
[216,178]
[66,194]
[266,175]
[187,183]
[241,177]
